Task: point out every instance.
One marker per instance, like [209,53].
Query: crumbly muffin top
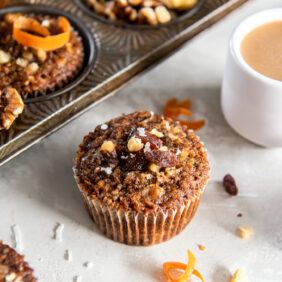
[142,161]
[34,71]
[13,267]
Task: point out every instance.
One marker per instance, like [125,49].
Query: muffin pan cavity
[179,16]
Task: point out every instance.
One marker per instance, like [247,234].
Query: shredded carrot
[177,111]
[174,109]
[46,41]
[195,125]
[189,269]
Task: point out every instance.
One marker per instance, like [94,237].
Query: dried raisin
[229,185]
[162,158]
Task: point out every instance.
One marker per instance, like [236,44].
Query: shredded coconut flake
[178,152]
[58,232]
[141,131]
[11,277]
[147,147]
[88,264]
[104,126]
[124,157]
[17,236]
[108,170]
[45,23]
[149,176]
[68,255]
[152,113]
[157,133]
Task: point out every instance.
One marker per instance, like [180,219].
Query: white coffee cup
[251,102]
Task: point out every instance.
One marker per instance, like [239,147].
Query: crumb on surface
[246,232]
[201,247]
[88,264]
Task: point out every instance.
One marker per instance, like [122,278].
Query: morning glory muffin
[38,53]
[141,177]
[13,268]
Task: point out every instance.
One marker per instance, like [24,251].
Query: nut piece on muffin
[38,53]
[13,268]
[141,177]
[11,106]
[140,11]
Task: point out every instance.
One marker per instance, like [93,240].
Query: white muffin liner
[139,228]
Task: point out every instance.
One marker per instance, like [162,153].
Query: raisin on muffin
[141,177]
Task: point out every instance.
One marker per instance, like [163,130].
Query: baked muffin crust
[142,162]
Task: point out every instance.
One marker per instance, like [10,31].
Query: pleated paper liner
[139,228]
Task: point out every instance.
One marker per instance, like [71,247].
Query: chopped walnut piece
[10,18]
[162,14]
[122,3]
[32,68]
[172,136]
[135,144]
[154,168]
[4,57]
[108,146]
[40,54]
[28,55]
[149,15]
[133,15]
[246,232]
[11,105]
[21,62]
[157,133]
[239,276]
[135,2]
[151,3]
[60,61]
[156,192]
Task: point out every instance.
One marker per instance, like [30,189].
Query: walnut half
[11,105]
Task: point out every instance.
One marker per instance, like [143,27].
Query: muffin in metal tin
[34,71]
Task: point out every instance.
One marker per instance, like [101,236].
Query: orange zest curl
[45,41]
[174,109]
[188,269]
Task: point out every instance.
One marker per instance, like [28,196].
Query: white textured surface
[37,189]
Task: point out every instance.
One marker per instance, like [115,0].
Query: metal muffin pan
[180,16]
[88,41]
[124,53]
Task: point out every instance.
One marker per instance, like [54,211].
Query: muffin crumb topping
[133,163]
